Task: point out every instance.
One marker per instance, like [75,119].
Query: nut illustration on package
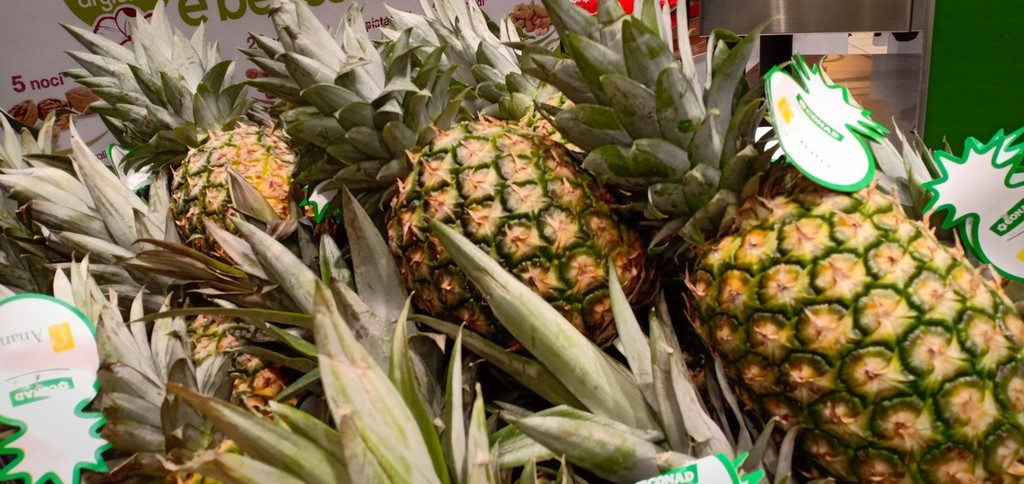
[532,18]
[110,22]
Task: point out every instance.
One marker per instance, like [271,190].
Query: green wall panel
[976,77]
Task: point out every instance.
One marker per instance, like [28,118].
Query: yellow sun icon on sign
[61,338]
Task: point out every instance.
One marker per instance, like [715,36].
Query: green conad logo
[89,11]
[40,391]
[1010,220]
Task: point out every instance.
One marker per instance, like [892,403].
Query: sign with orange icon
[48,364]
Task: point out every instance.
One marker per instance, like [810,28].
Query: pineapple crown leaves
[904,170]
[644,118]
[15,147]
[344,50]
[164,94]
[307,54]
[134,373]
[374,412]
[135,364]
[463,28]
[375,423]
[365,106]
[377,281]
[992,166]
[486,61]
[80,207]
[20,183]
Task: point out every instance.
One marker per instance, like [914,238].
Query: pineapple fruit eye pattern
[201,186]
[838,313]
[521,197]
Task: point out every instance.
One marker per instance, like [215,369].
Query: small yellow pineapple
[202,184]
[254,382]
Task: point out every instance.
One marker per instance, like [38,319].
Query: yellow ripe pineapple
[201,188]
[172,102]
[840,313]
[835,312]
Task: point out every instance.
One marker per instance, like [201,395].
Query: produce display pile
[551,251]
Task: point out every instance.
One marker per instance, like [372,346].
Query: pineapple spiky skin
[254,382]
[201,186]
[839,313]
[520,195]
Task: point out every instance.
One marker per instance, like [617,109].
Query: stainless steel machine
[905,18]
[814,16]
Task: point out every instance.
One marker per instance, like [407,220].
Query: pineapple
[172,103]
[502,182]
[833,312]
[253,383]
[520,195]
[91,225]
[839,313]
[201,189]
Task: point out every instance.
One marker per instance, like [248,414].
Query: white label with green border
[716,469]
[48,364]
[822,130]
[984,200]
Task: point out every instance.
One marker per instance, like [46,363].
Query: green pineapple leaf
[403,376]
[527,371]
[376,276]
[353,382]
[237,469]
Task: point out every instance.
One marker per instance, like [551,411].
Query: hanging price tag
[984,200]
[822,130]
[48,363]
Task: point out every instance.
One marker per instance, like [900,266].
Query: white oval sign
[823,132]
[48,364]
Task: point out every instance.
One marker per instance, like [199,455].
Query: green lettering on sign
[820,123]
[682,475]
[227,12]
[260,7]
[40,391]
[186,8]
[713,469]
[1010,220]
